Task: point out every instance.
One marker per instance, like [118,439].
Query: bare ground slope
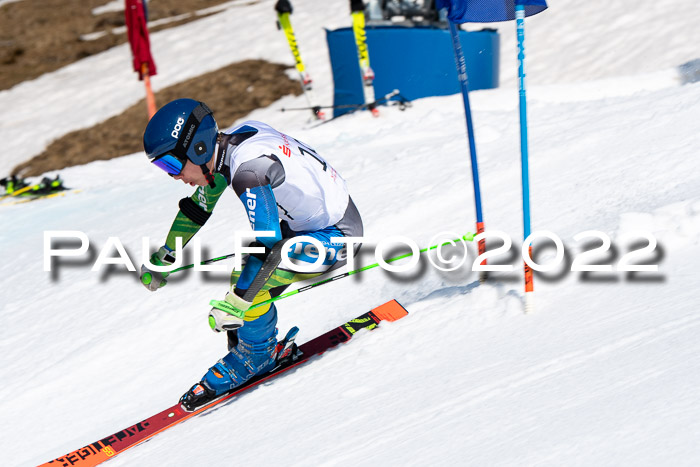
[40,36]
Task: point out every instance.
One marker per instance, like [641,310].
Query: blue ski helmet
[181,130]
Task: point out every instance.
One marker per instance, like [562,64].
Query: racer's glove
[227,314]
[153,280]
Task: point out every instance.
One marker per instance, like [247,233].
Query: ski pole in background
[402,102]
[137,30]
[284,9]
[488,11]
[357,12]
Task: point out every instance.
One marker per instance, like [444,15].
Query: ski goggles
[170,163]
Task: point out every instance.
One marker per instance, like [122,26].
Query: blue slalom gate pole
[488,11]
[463,80]
[520,29]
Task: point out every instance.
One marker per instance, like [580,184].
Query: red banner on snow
[137,30]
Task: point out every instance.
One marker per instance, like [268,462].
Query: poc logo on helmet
[178,126]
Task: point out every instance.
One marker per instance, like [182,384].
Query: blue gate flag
[488,11]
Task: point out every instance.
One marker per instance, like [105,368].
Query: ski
[357,8]
[19,191]
[26,198]
[108,447]
[284,9]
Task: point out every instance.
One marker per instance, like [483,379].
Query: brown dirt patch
[40,36]
[231,92]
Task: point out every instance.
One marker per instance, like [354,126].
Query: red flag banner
[138,37]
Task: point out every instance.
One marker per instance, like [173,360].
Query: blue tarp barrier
[418,61]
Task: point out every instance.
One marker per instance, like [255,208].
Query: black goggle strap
[208,175]
[189,129]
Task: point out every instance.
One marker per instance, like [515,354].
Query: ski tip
[390,311]
[375,112]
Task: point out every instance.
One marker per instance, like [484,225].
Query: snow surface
[119,6]
[604,372]
[5,2]
[110,7]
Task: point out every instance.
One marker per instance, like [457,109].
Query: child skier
[286,188]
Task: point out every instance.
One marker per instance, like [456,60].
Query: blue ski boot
[256,353]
